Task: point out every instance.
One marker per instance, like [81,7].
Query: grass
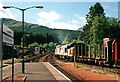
[86,67]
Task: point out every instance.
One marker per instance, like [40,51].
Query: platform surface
[40,72]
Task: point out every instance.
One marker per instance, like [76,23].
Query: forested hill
[58,34]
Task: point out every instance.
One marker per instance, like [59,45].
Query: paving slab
[7,71]
[36,72]
[60,77]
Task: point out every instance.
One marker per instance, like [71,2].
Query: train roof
[75,44]
[69,45]
[58,46]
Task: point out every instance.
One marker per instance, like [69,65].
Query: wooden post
[74,61]
[74,54]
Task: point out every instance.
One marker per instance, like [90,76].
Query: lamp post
[23,10]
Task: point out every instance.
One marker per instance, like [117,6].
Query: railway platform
[37,72]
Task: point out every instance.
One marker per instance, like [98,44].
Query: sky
[61,15]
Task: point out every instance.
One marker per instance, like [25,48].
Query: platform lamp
[6,7]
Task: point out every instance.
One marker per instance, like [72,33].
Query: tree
[90,29]
[113,28]
[33,45]
[52,47]
[17,37]
[26,37]
[97,30]
[95,10]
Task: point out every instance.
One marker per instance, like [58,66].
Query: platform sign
[6,37]
[8,31]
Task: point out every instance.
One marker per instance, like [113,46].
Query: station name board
[7,34]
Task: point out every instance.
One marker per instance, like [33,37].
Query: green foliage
[95,10]
[52,47]
[99,26]
[113,28]
[44,48]
[91,28]
[97,30]
[33,45]
[77,41]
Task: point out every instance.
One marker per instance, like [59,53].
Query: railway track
[107,69]
[51,60]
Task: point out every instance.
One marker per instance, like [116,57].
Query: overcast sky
[61,15]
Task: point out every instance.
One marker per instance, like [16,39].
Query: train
[106,54]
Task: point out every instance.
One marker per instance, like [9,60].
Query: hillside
[36,29]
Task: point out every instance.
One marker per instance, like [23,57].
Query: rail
[51,60]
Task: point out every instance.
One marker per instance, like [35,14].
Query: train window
[65,49]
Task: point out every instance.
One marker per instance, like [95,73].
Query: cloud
[75,21]
[52,20]
[80,20]
[52,16]
[64,25]
[5,13]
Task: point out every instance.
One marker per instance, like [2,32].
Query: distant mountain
[36,29]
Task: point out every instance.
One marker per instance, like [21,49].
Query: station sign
[7,34]
[8,31]
[37,48]
[7,39]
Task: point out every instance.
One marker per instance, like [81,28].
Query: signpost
[6,38]
[37,50]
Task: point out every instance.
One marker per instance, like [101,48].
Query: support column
[1,41]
